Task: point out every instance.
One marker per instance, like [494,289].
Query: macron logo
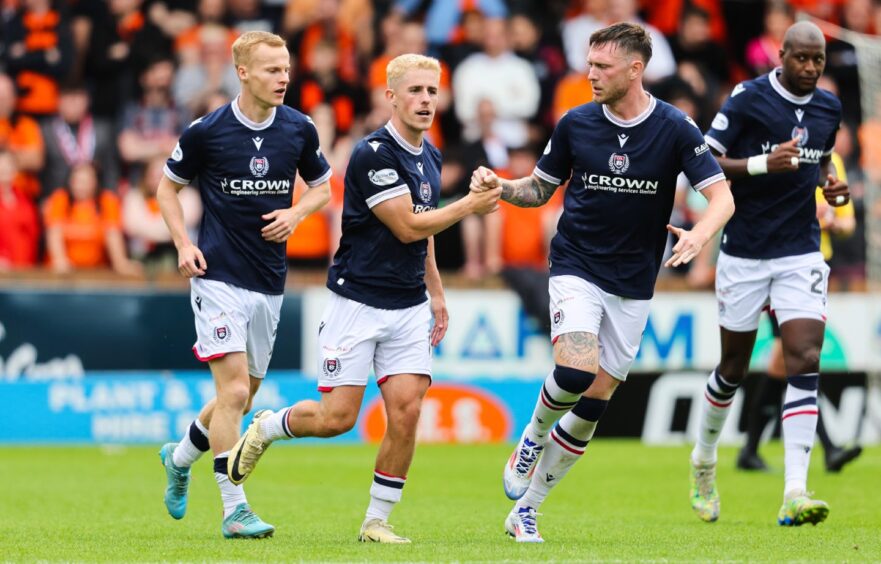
[737,90]
[622,139]
[374,145]
[258,142]
[799,114]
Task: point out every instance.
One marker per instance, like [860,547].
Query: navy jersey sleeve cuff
[321,179]
[546,177]
[392,192]
[715,144]
[171,175]
[709,181]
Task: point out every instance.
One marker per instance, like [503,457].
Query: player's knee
[339,423]
[805,360]
[404,415]
[235,396]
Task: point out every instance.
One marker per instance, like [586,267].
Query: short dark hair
[633,38]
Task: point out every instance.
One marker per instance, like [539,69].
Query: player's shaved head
[803,34]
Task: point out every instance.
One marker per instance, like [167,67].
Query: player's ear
[242,72]
[390,96]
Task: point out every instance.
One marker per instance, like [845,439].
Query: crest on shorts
[619,163]
[259,166]
[425,192]
[332,367]
[558,317]
[801,133]
[221,334]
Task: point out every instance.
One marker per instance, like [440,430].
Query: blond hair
[245,44]
[399,66]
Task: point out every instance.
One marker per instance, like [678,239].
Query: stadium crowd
[94,95]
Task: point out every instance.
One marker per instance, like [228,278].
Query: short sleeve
[186,160]
[696,161]
[376,174]
[555,164]
[111,215]
[729,121]
[55,208]
[313,167]
[830,142]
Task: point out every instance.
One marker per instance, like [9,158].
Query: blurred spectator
[470,39]
[841,59]
[122,44]
[151,127]
[346,23]
[210,72]
[442,17]
[322,85]
[38,54]
[19,221]
[148,236]
[20,135]
[694,44]
[601,13]
[83,226]
[518,239]
[763,52]
[869,135]
[211,14]
[73,136]
[573,90]
[409,37]
[253,15]
[546,59]
[171,17]
[496,74]
[667,15]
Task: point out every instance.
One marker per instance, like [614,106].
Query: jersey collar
[412,149]
[631,122]
[244,120]
[784,93]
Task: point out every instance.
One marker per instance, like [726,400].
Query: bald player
[773,138]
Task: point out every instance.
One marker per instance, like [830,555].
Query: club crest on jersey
[332,367]
[221,334]
[259,166]
[425,192]
[558,317]
[619,163]
[800,132]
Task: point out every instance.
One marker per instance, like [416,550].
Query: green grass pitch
[623,501]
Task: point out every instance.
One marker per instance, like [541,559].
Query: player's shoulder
[826,99]
[377,145]
[288,115]
[212,120]
[749,89]
[674,116]
[588,111]
[431,150]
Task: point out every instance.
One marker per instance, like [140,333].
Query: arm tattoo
[528,192]
[579,350]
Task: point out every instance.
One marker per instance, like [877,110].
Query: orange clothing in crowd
[84,225]
[39,90]
[192,38]
[22,133]
[523,234]
[348,63]
[665,15]
[19,230]
[573,90]
[311,240]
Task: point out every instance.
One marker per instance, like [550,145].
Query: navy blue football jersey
[372,266]
[244,170]
[618,203]
[775,214]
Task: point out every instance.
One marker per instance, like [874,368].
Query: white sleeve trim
[715,144]
[388,194]
[711,180]
[321,179]
[174,177]
[829,152]
[546,177]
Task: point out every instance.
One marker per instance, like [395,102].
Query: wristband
[757,165]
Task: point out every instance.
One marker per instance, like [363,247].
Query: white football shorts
[232,319]
[579,306]
[794,288]
[353,338]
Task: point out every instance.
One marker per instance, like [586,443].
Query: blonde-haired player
[245,156]
[379,316]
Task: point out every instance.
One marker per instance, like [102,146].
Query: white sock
[230,494]
[799,418]
[554,400]
[276,427]
[717,400]
[568,441]
[385,492]
[192,446]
